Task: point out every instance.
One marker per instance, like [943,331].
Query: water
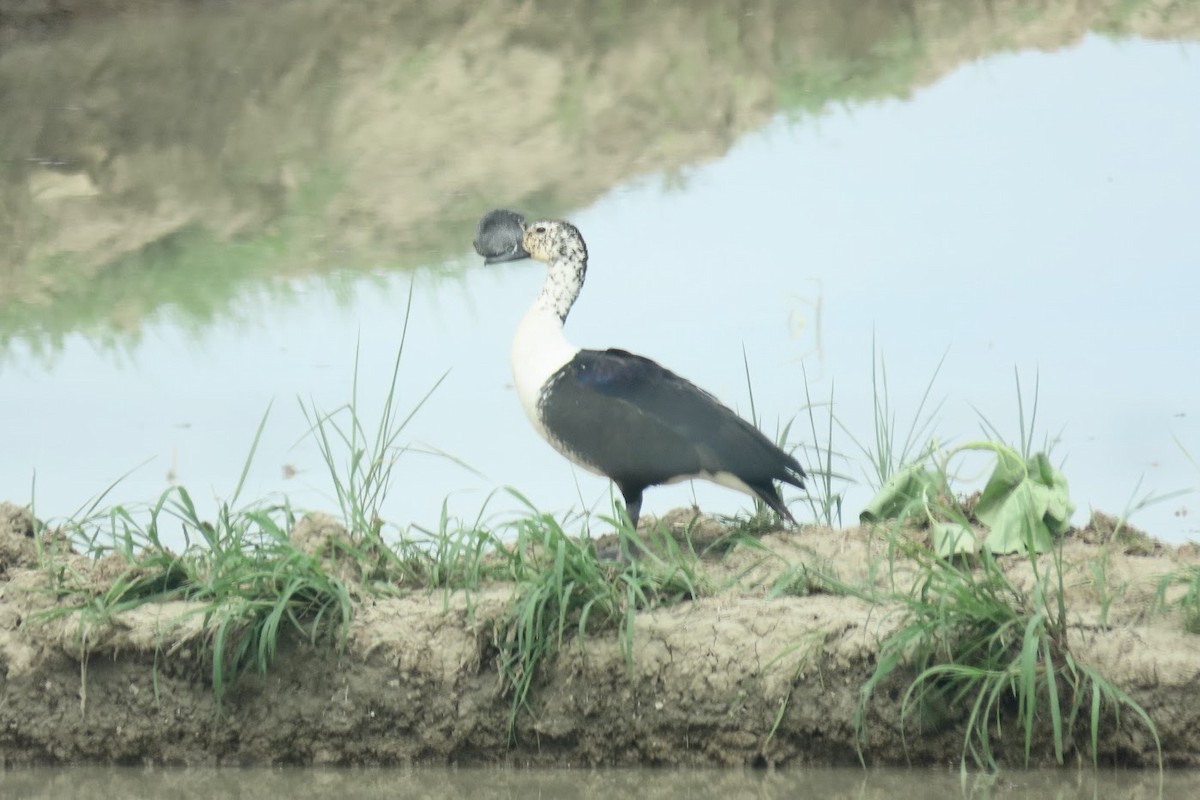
[208,212]
[582,784]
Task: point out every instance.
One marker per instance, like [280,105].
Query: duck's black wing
[641,424]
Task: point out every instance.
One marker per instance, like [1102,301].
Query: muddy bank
[734,678]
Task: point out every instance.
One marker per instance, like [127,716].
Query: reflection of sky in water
[1032,210]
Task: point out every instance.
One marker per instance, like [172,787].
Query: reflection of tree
[169,158]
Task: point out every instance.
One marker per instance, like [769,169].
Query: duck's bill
[499,235]
[517,254]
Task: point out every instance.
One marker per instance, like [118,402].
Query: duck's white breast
[539,350]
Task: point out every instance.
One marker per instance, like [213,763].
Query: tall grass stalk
[886,454]
[1025,428]
[824,502]
[361,481]
[761,512]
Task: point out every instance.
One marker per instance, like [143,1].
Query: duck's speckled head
[504,235]
[498,236]
[552,239]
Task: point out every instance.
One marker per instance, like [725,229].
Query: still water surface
[1013,210]
[828,784]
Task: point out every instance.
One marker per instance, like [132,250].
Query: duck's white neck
[564,281]
[540,348]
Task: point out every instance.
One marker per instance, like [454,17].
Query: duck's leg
[633,502]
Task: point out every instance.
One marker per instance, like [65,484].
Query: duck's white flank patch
[726,479]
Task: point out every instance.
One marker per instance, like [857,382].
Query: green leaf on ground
[1025,504]
[906,494]
[951,538]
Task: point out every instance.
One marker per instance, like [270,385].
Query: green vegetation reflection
[372,138]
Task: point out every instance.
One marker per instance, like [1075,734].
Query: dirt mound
[741,676]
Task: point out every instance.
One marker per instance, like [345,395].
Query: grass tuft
[1189,601]
[563,589]
[981,645]
[243,575]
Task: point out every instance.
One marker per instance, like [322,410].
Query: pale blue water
[1030,211]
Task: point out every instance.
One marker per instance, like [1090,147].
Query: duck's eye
[540,229]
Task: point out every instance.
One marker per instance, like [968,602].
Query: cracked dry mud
[734,678]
